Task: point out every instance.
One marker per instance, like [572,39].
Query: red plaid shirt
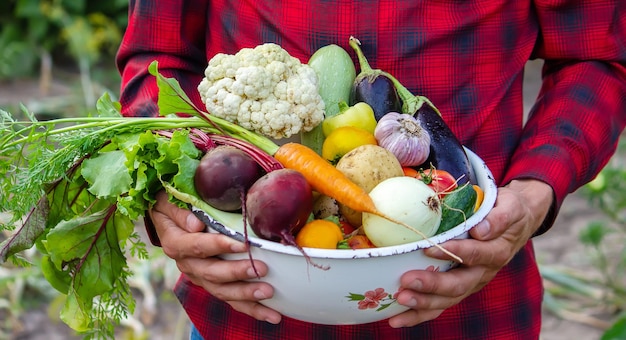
[468,58]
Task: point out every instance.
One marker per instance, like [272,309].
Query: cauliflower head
[263,89]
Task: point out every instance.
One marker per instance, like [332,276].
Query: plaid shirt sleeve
[577,120]
[170,33]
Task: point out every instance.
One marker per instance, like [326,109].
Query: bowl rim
[219,225]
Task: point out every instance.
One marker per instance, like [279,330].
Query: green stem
[237,131]
[410,103]
[343,106]
[363,63]
[366,70]
[87,123]
[122,124]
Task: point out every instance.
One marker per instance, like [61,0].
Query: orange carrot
[327,180]
[324,177]
[408,171]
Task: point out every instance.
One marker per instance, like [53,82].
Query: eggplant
[446,151]
[373,86]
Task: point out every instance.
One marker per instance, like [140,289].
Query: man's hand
[195,252]
[519,210]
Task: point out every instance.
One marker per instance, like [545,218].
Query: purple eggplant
[373,86]
[446,151]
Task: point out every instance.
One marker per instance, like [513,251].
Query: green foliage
[617,330]
[77,225]
[603,287]
[31,28]
[81,222]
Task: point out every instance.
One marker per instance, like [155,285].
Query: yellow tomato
[319,234]
[342,140]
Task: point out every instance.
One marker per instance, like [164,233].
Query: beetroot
[279,204]
[224,175]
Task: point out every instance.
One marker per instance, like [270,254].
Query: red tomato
[346,227]
[360,242]
[440,181]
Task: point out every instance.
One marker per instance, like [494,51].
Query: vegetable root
[278,205]
[327,180]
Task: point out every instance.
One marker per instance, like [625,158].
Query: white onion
[403,136]
[408,200]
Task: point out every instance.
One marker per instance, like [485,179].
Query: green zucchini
[335,72]
[457,207]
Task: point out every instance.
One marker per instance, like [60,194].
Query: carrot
[324,177]
[327,180]
[408,171]
[480,195]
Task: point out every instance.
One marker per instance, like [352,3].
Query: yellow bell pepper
[360,115]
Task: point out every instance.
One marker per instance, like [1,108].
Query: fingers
[494,240]
[256,310]
[182,218]
[225,281]
[181,233]
[197,256]
[219,271]
[519,209]
[428,294]
[506,211]
[456,283]
[178,244]
[495,253]
[413,317]
[524,203]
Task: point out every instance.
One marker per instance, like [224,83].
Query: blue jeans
[194,334]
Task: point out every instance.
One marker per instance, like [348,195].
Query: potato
[366,166]
[325,206]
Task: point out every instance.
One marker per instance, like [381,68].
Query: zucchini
[335,73]
[456,207]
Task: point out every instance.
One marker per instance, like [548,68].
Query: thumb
[505,211]
[192,223]
[482,230]
[182,218]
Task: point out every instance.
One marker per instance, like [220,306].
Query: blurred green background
[63,48]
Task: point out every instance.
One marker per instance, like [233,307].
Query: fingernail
[273,321]
[238,247]
[259,294]
[396,325]
[192,224]
[417,285]
[251,272]
[483,228]
[433,252]
[411,303]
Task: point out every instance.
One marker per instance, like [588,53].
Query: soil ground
[559,247]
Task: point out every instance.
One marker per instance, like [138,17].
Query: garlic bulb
[403,136]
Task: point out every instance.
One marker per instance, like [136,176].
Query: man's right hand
[183,239]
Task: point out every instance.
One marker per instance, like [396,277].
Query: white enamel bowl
[359,285]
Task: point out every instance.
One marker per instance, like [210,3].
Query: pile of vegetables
[377,167]
[396,147]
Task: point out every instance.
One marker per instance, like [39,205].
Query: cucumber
[335,73]
[457,207]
